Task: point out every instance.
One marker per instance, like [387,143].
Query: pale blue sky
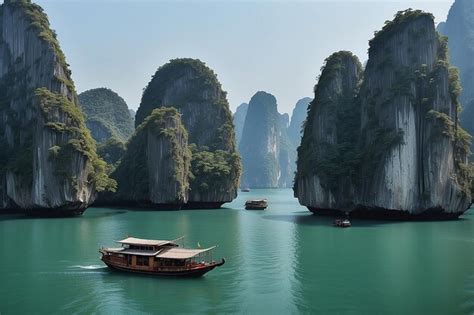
[275,46]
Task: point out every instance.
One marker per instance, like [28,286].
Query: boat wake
[89,267]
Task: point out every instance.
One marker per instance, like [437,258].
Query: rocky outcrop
[286,160]
[459,27]
[239,121]
[48,163]
[132,114]
[107,115]
[392,145]
[267,154]
[193,89]
[284,121]
[155,170]
[297,119]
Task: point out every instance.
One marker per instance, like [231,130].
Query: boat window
[142,261]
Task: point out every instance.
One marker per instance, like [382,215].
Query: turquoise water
[282,260]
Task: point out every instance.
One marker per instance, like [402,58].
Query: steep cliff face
[239,121]
[330,136]
[297,119]
[284,120]
[266,151]
[459,28]
[132,115]
[408,153]
[107,115]
[48,161]
[286,160]
[155,170]
[191,87]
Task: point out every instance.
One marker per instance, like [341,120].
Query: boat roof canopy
[141,241]
[182,253]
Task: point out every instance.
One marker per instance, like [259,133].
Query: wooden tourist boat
[159,257]
[342,223]
[260,204]
[246,189]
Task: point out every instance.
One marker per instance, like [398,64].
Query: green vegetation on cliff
[23,106]
[39,22]
[331,160]
[133,174]
[111,151]
[107,115]
[193,89]
[80,139]
[201,89]
[209,168]
[352,132]
[393,27]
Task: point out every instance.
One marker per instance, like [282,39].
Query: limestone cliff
[267,154]
[286,160]
[155,170]
[239,121]
[192,88]
[330,135]
[297,119]
[48,162]
[392,145]
[107,115]
[459,27]
[132,114]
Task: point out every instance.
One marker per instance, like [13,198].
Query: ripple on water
[89,267]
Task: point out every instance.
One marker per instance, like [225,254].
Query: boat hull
[189,273]
[255,208]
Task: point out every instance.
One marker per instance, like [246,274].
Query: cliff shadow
[29,216]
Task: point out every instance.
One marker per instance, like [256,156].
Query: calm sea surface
[282,260]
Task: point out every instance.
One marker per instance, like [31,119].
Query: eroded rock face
[239,121]
[333,122]
[192,88]
[155,170]
[459,27]
[297,119]
[267,154]
[48,159]
[394,148]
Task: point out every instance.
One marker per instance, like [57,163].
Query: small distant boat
[245,189]
[342,223]
[159,257]
[260,204]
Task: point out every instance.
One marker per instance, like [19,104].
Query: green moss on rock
[53,105]
[107,115]
[162,128]
[340,158]
[193,89]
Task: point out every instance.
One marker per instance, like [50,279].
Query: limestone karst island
[229,157]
